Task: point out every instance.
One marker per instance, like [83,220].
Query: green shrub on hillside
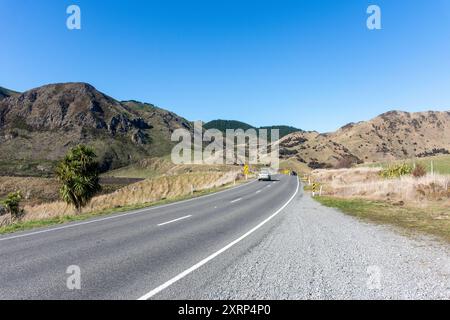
[396,171]
[12,204]
[78,173]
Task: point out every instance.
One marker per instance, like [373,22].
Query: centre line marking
[182,218]
[236,200]
[258,191]
[211,257]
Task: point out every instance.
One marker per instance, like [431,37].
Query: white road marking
[237,200]
[258,191]
[121,215]
[269,186]
[175,220]
[214,255]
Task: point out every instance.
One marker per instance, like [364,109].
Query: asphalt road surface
[263,240]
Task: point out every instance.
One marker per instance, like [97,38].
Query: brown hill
[393,135]
[37,128]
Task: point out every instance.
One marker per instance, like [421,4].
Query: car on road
[264,175]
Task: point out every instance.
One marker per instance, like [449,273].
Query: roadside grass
[48,222]
[441,163]
[433,220]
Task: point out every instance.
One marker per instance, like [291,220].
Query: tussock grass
[414,204]
[366,183]
[154,167]
[147,191]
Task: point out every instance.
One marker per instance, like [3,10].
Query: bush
[78,173]
[345,163]
[396,171]
[419,171]
[12,204]
[3,209]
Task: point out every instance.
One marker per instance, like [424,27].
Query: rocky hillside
[37,128]
[393,135]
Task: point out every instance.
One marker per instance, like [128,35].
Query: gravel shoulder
[314,252]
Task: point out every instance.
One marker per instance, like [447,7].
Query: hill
[223,125]
[391,136]
[37,128]
[6,93]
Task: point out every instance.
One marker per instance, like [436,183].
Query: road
[263,240]
[127,256]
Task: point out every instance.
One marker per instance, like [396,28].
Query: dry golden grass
[414,204]
[34,190]
[148,191]
[154,167]
[366,183]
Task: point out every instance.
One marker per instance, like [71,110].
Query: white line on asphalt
[211,257]
[236,200]
[121,215]
[258,191]
[175,220]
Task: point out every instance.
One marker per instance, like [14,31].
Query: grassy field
[441,164]
[27,168]
[155,167]
[292,164]
[433,220]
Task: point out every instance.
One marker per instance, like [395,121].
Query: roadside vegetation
[438,164]
[432,219]
[75,193]
[401,194]
[78,174]
[25,224]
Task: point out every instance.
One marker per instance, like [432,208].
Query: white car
[264,175]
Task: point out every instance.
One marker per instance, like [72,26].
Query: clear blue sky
[311,64]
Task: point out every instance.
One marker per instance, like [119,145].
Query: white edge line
[122,215]
[236,200]
[211,257]
[175,220]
